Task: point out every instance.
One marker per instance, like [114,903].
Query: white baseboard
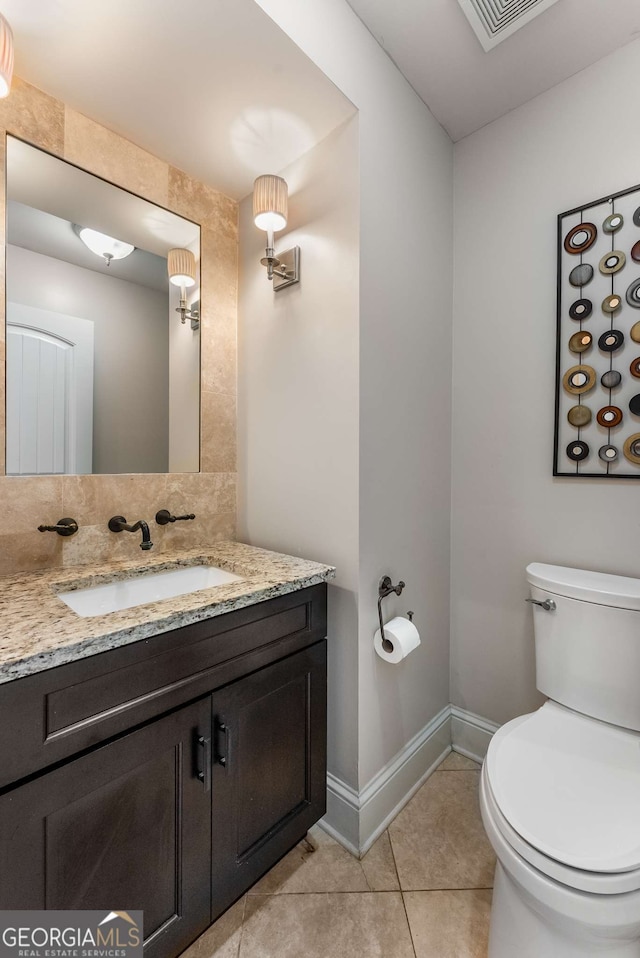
[470,733]
[357,819]
[343,814]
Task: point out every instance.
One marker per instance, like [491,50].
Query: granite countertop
[38,631]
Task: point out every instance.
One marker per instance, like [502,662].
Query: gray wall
[405,275]
[575,143]
[298,403]
[131,373]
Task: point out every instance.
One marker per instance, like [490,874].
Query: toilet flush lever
[547,604]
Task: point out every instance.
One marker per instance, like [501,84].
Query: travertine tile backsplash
[26,502]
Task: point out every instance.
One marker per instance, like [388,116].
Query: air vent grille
[495,20]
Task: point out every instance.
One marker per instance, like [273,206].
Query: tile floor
[422,891]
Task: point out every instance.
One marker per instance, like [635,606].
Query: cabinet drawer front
[92,698]
[48,717]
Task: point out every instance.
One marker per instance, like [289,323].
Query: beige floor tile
[331,868]
[438,840]
[326,926]
[449,924]
[379,866]
[222,939]
[454,762]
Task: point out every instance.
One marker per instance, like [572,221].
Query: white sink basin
[127,593]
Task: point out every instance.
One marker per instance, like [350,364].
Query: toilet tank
[588,647]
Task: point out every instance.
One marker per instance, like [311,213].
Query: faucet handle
[164,516]
[64,527]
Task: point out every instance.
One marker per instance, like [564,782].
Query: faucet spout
[120,524]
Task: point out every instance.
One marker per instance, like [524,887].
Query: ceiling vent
[495,20]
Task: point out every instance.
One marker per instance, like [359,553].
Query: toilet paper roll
[403,636]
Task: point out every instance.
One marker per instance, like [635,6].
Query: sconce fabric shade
[270,202]
[181,266]
[6,57]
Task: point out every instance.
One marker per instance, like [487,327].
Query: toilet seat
[564,791]
[597,883]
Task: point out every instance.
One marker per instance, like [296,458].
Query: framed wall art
[597,420]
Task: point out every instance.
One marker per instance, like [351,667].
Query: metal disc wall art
[611,303]
[631,448]
[581,275]
[611,379]
[612,262]
[579,416]
[580,342]
[581,309]
[610,416]
[633,294]
[597,423]
[608,453]
[613,223]
[577,451]
[611,340]
[579,379]
[580,238]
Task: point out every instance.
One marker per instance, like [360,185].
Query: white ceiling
[212,86]
[217,89]
[434,46]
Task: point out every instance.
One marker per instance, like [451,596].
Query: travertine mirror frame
[48,123]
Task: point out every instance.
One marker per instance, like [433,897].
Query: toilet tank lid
[600,588]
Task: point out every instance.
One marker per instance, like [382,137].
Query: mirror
[102,374]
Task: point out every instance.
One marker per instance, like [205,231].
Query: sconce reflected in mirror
[181,266]
[270,209]
[6,57]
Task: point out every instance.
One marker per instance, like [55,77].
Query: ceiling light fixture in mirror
[101,378]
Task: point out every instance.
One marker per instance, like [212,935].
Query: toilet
[560,788]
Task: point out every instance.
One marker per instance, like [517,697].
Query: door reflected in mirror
[102,374]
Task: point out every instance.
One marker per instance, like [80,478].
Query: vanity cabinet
[179,770]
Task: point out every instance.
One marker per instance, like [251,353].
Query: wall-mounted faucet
[120,524]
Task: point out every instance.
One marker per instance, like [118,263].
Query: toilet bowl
[560,788]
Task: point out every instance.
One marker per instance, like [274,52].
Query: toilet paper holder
[385,588]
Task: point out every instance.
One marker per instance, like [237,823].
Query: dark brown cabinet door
[269,771]
[124,827]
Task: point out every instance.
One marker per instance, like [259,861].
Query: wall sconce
[181,267]
[102,245]
[6,57]
[270,207]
